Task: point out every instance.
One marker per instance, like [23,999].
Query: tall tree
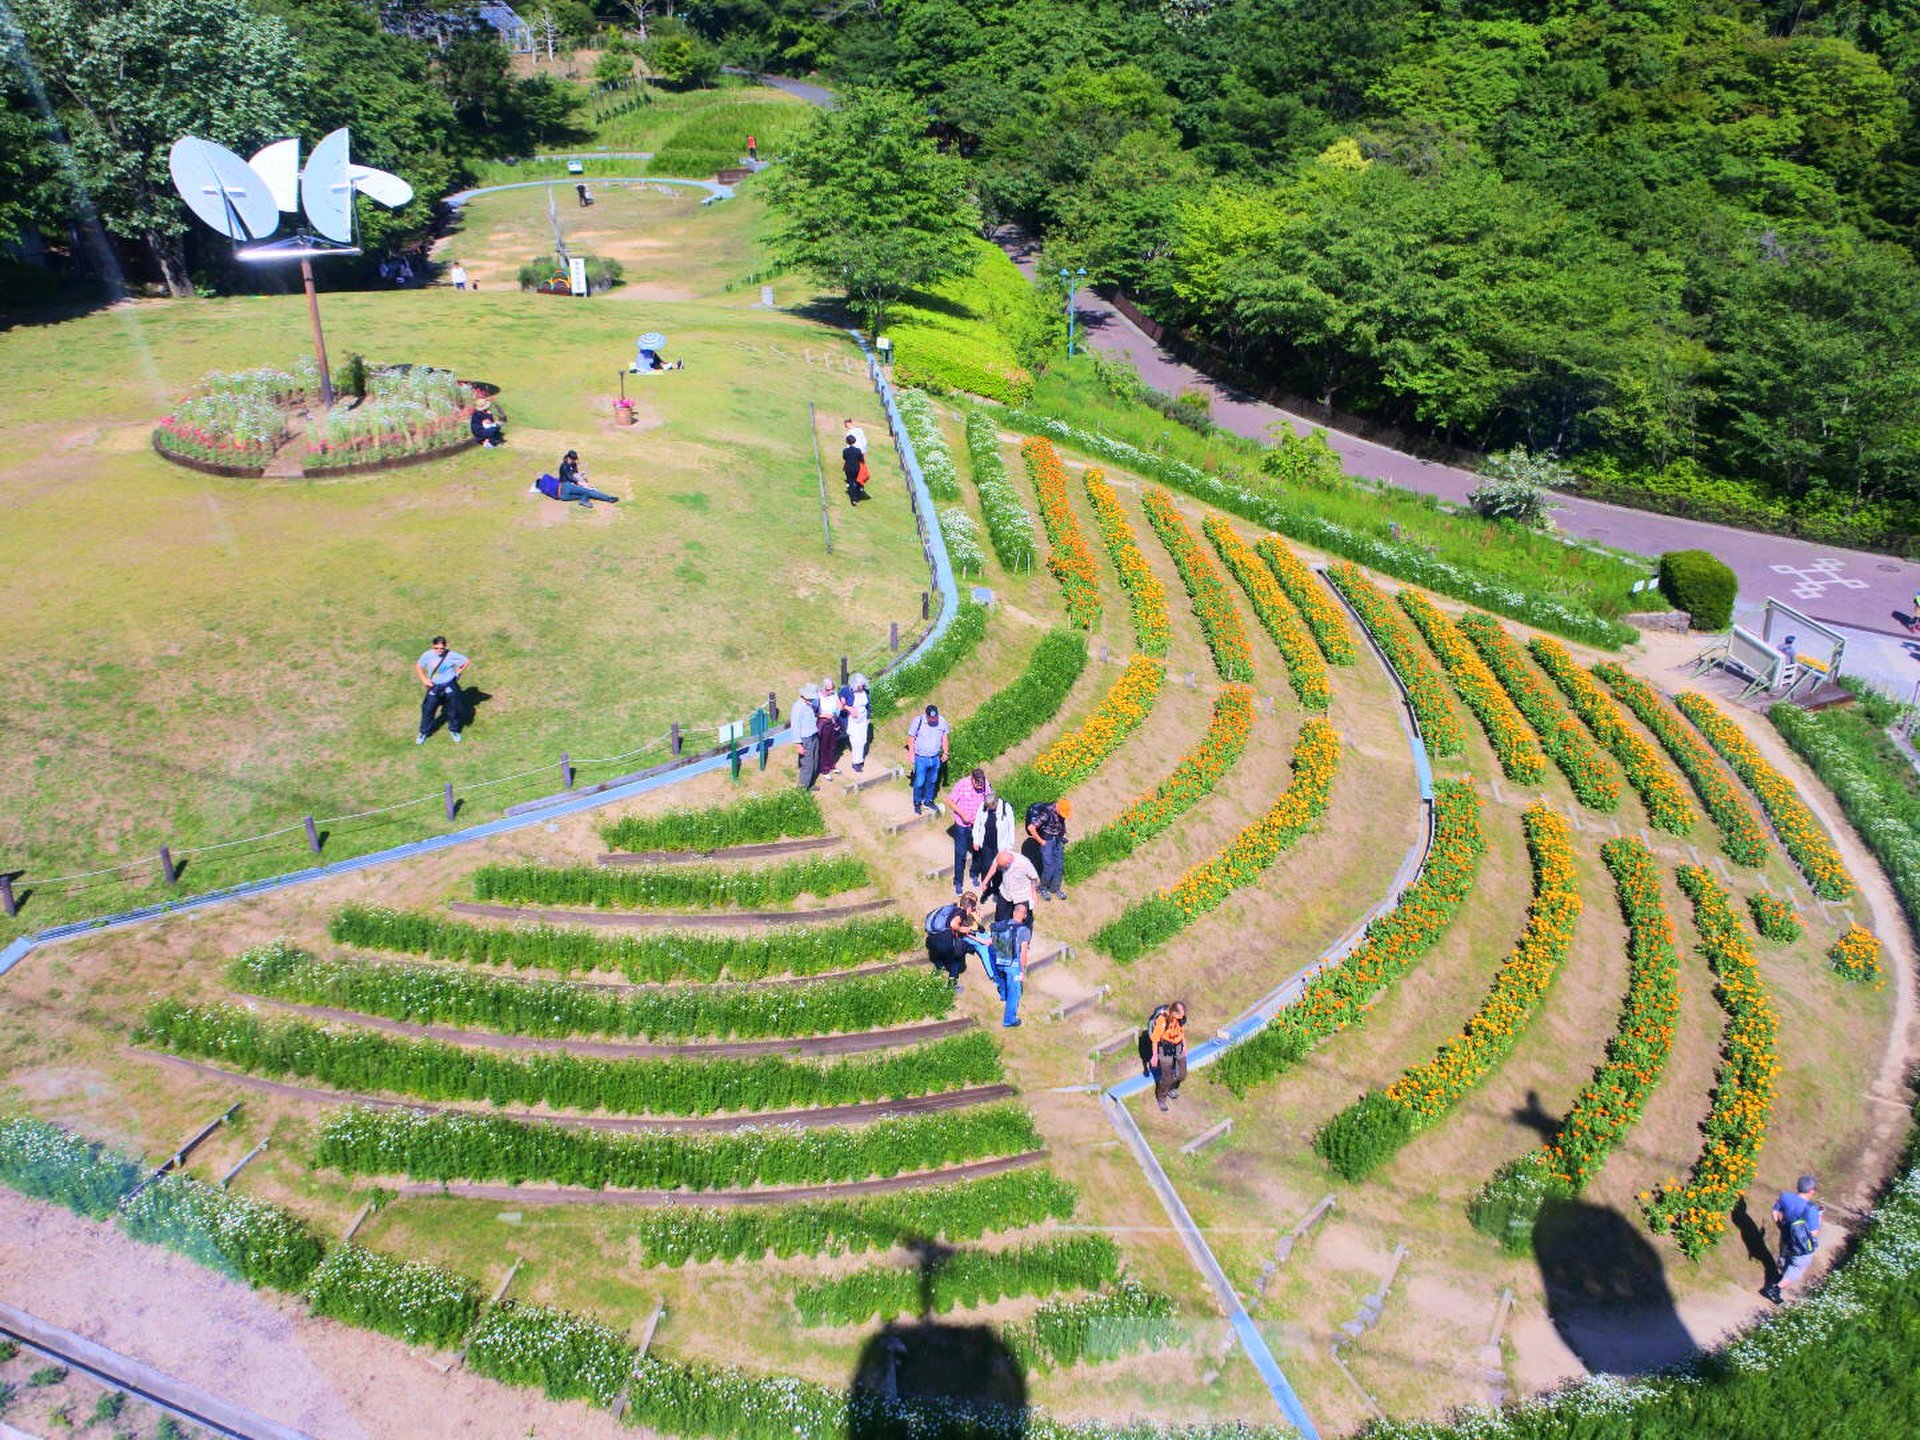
[866,202]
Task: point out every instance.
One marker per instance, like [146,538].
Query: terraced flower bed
[1077,754]
[702,887]
[1009,716]
[1439,722]
[781,815]
[1595,784]
[1212,598]
[1009,526]
[1514,744]
[1324,618]
[1071,561]
[1658,787]
[1306,669]
[1146,596]
[958,1279]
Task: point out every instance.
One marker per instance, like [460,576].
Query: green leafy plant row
[1610,1104]
[566,1355]
[484,1147]
[1150,922]
[1009,526]
[1656,782]
[1439,722]
[779,815]
[700,886]
[962,539]
[1212,597]
[1594,781]
[1193,779]
[1368,1133]
[225,1231]
[1514,745]
[1324,618]
[950,1213]
[437,994]
[372,1060]
[1741,836]
[1306,668]
[1120,1321]
[951,1280]
[1290,516]
[891,692]
[929,445]
[48,1163]
[413,1300]
[655,958]
[1343,994]
[1009,716]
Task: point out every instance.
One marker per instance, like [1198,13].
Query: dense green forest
[1672,241]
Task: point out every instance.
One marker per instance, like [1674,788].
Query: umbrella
[652,340]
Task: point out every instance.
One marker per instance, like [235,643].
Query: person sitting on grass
[566,485]
[485,425]
[649,360]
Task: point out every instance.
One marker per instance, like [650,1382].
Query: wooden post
[313,836]
[168,875]
[773,709]
[893,636]
[452,806]
[926,605]
[676,738]
[7,902]
[844,672]
[566,771]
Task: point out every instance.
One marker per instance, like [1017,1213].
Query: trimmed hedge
[956,1212]
[410,1299]
[1700,583]
[811,950]
[360,1141]
[888,695]
[435,994]
[1009,716]
[955,1279]
[757,820]
[1009,526]
[698,886]
[372,1060]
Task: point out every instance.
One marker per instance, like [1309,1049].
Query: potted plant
[623,410]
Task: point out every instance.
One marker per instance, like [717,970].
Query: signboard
[733,732]
[577,274]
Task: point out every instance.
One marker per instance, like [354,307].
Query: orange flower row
[1428,1091]
[1439,722]
[1070,560]
[1741,836]
[1695,1212]
[1324,618]
[1774,918]
[1075,755]
[1212,600]
[1152,626]
[1651,777]
[1514,745]
[1580,760]
[1306,670]
[1793,822]
[1856,954]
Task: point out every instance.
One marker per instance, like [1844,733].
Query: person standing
[1012,878]
[806,735]
[993,828]
[1167,1046]
[927,743]
[965,801]
[856,437]
[829,727]
[753,150]
[1047,826]
[859,719]
[459,276]
[1012,939]
[440,669]
[1797,1213]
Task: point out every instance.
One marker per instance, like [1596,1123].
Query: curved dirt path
[731,852]
[664,920]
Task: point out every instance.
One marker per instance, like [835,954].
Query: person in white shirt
[856,437]
[459,276]
[859,724]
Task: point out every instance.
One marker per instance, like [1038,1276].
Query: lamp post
[1071,281]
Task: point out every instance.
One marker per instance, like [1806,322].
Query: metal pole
[168,874]
[452,804]
[893,636]
[313,836]
[676,737]
[7,902]
[319,335]
[926,605]
[844,672]
[566,771]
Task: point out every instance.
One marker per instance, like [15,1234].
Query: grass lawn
[196,660]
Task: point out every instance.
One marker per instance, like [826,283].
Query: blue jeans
[926,779]
[962,852]
[571,491]
[1053,864]
[1006,979]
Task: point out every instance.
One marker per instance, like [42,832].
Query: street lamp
[1072,280]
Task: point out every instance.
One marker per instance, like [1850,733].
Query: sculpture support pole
[319,336]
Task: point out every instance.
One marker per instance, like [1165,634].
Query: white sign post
[577,275]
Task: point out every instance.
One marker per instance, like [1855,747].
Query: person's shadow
[470,700]
[1755,1239]
[924,1365]
[1607,1291]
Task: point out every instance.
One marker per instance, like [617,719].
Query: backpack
[1146,1039]
[1801,1240]
[1006,950]
[940,918]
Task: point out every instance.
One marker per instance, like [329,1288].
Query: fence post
[452,806]
[313,836]
[926,605]
[844,672]
[168,875]
[7,902]
[893,636]
[676,738]
[566,771]
[773,709]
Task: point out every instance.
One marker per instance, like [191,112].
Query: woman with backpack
[1164,1050]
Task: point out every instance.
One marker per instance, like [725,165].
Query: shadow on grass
[1607,1291]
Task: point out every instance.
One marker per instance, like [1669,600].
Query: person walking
[993,828]
[1047,826]
[856,437]
[1012,939]
[927,745]
[440,669]
[753,150]
[1797,1213]
[1167,1051]
[806,735]
[965,802]
[459,276]
[1011,879]
[859,721]
[853,464]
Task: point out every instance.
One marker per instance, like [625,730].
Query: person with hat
[927,744]
[1797,1213]
[805,720]
[485,425]
[1047,827]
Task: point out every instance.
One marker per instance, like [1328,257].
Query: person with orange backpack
[1163,1050]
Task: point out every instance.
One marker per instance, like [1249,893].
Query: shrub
[800,950]
[892,691]
[1009,526]
[236,1234]
[48,1163]
[955,1279]
[1774,918]
[1010,715]
[695,885]
[1701,584]
[757,820]
[371,1060]
[1364,1136]
[415,1301]
[1212,599]
[603,273]
[929,445]
[568,1357]
[1071,757]
[1856,954]
[1517,485]
[485,1147]
[1303,460]
[1070,562]
[1306,669]
[1146,596]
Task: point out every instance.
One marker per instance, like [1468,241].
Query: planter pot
[624,414]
